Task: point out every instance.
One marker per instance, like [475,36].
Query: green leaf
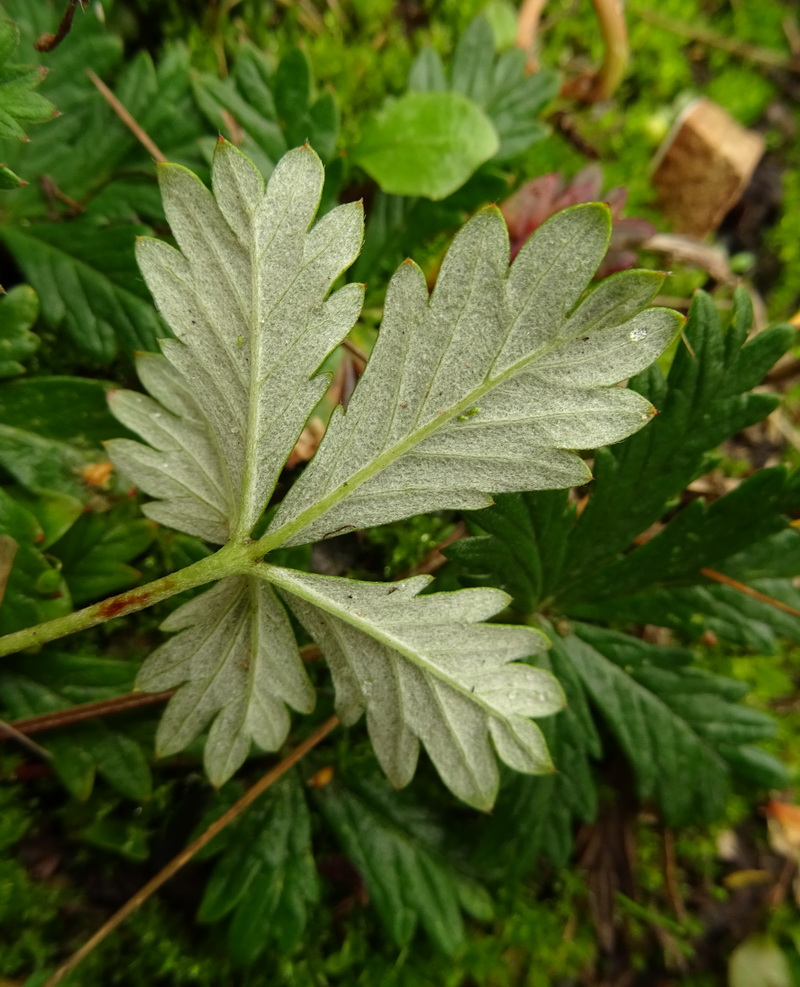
[95,553]
[101,146]
[216,465]
[536,816]
[647,584]
[23,605]
[677,725]
[427,72]
[46,449]
[501,86]
[473,59]
[485,385]
[266,874]
[399,853]
[425,670]
[705,399]
[514,102]
[263,140]
[85,277]
[425,143]
[293,93]
[18,313]
[55,512]
[537,547]
[237,651]
[18,102]
[9,180]
[40,405]
[84,750]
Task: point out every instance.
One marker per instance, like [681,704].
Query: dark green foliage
[497,83]
[19,104]
[546,554]
[400,852]
[682,731]
[265,874]
[275,108]
[18,312]
[46,684]
[511,100]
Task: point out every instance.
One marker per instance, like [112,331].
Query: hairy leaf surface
[237,651]
[487,385]
[426,671]
[484,386]
[246,297]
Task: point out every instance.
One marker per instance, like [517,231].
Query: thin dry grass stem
[89,711]
[527,28]
[720,577]
[144,139]
[611,17]
[356,351]
[8,730]
[186,855]
[703,35]
[671,874]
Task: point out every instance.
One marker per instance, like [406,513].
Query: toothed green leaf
[18,311]
[484,386]
[424,670]
[237,651]
[246,297]
[487,385]
[18,101]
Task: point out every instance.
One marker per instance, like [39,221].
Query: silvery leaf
[427,671]
[486,385]
[246,295]
[237,655]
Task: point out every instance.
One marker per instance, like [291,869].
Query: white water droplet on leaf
[638,334]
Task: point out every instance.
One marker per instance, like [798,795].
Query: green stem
[231,559]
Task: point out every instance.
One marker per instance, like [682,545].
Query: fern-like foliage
[484,386]
[683,732]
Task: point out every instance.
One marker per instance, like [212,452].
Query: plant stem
[615,37]
[720,577]
[87,711]
[228,561]
[186,855]
[135,128]
[20,729]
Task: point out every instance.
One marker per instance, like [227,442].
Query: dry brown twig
[47,42]
[138,132]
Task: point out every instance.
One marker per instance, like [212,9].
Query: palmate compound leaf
[484,386]
[425,670]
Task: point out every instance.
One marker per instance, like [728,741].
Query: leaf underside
[484,386]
